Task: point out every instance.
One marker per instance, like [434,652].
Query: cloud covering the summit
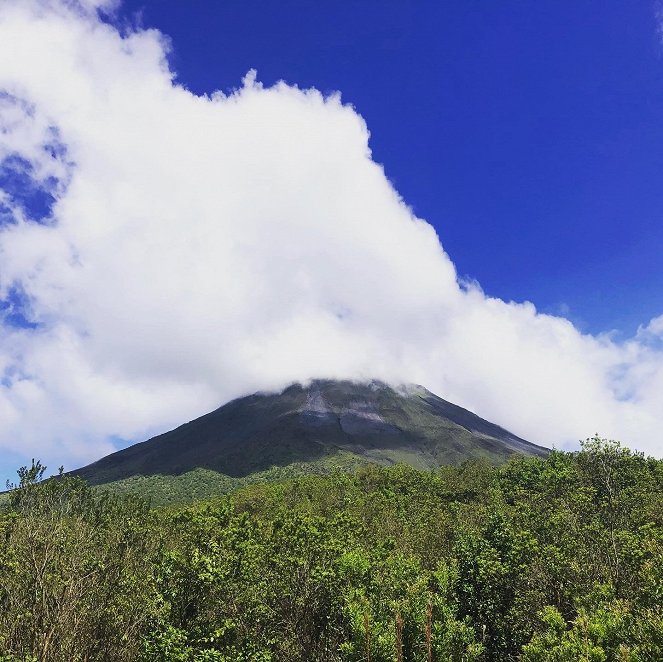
[163,252]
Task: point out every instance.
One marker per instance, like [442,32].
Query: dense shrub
[538,560]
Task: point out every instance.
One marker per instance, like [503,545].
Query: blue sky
[165,248]
[529,134]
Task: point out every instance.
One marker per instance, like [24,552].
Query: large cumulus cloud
[162,252]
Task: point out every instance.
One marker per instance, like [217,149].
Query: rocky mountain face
[324,423]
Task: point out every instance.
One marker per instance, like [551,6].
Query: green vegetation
[199,484]
[541,560]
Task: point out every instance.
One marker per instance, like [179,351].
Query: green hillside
[197,484]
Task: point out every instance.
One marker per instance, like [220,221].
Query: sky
[203,199]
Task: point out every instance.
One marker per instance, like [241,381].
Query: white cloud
[204,247]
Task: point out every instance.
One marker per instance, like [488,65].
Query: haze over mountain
[323,424]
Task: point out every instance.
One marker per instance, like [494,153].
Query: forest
[541,560]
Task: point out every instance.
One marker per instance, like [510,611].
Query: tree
[75,578]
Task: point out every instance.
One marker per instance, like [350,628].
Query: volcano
[318,425]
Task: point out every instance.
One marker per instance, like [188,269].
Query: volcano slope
[313,428]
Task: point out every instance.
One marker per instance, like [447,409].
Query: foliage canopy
[538,560]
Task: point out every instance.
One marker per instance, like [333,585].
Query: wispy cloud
[192,249]
[658,15]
